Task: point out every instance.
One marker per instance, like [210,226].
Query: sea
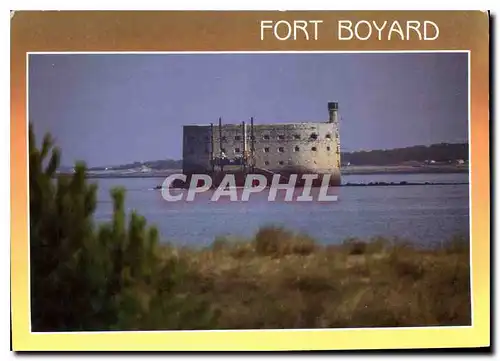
[422,214]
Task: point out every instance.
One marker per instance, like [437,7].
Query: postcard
[250,180]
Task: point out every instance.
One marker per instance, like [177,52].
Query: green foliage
[442,152]
[86,277]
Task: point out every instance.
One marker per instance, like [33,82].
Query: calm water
[423,214]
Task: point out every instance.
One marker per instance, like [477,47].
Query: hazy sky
[108,109]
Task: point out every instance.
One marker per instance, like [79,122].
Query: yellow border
[233,31]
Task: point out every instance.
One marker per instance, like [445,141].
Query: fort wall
[305,147]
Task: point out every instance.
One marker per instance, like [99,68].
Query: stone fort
[283,148]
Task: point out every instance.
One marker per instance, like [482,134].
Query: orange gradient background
[240,31]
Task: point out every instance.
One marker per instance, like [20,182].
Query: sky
[110,109]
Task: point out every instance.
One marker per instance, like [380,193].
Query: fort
[280,148]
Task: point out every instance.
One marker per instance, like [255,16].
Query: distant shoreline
[350,170]
[403,169]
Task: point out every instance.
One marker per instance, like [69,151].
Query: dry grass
[282,279]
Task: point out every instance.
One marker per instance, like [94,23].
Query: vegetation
[107,277]
[117,276]
[443,152]
[280,279]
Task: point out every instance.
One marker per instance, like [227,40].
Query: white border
[257,5]
[245,52]
[261,52]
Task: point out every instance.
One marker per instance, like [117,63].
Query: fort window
[223,150]
[328,136]
[314,136]
[313,149]
[281,137]
[266,137]
[236,150]
[296,148]
[281,162]
[328,148]
[296,136]
[266,150]
[281,149]
[266,162]
[237,137]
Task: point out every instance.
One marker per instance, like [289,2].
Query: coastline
[350,170]
[404,169]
